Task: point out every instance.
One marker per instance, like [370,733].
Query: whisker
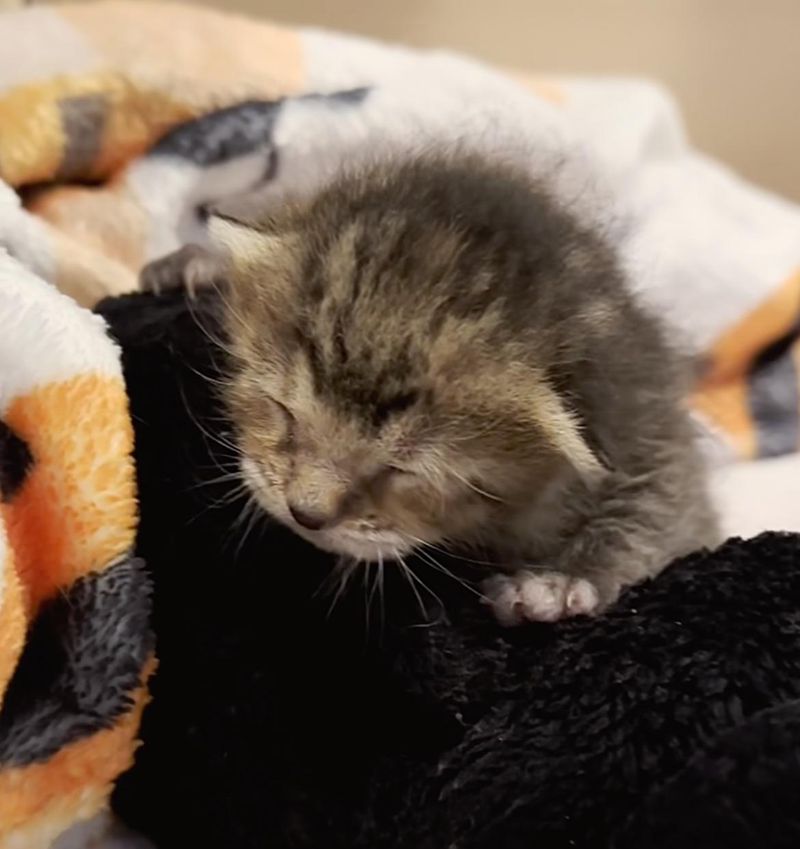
[367,571]
[426,588]
[236,494]
[449,553]
[251,515]
[414,579]
[208,436]
[472,486]
[409,579]
[377,586]
[346,569]
[431,561]
[227,477]
[196,315]
[214,381]
[329,580]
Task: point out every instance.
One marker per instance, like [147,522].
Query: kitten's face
[381,400]
[374,482]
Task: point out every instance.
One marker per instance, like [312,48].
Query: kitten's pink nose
[306,517]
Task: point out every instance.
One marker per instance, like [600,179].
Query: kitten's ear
[247,239]
[263,257]
[258,248]
[562,429]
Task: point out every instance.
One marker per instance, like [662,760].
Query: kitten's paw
[540,596]
[189,268]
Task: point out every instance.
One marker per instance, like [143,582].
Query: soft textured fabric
[121,122]
[86,90]
[75,644]
[759,495]
[671,721]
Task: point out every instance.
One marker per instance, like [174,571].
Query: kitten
[436,352]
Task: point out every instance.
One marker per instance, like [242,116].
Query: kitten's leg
[191,268]
[632,530]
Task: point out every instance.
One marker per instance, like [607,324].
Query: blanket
[122,122]
[672,722]
[95,100]
[75,642]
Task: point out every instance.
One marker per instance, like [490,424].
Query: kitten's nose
[313,520]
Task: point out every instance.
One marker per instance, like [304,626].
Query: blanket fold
[75,641]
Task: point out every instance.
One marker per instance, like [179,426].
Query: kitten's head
[379,400]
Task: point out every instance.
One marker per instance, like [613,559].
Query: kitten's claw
[189,268]
[540,596]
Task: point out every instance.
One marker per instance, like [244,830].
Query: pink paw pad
[539,597]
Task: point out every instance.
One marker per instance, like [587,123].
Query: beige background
[734,65]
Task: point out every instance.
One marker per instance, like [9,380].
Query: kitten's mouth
[369,546]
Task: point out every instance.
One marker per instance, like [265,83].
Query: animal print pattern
[75,643]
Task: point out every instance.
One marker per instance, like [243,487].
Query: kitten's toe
[583,598]
[200,271]
[543,595]
[502,594]
[540,596]
[161,275]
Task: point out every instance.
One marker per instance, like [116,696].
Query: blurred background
[732,64]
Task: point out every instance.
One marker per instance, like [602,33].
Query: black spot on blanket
[15,460]
[82,660]
[226,134]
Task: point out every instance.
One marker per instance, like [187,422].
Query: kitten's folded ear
[238,228]
[563,430]
[262,254]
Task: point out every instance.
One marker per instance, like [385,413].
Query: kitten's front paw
[189,268]
[539,596]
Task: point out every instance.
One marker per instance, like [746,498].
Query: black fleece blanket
[672,721]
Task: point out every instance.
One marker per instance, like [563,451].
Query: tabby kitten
[434,352]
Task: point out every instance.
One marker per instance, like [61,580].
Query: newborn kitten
[435,352]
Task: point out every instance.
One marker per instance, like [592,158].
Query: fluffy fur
[435,354]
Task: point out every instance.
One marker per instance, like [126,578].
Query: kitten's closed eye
[284,410]
[284,417]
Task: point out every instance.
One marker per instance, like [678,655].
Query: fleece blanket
[95,100]
[121,123]
[671,722]
[75,644]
